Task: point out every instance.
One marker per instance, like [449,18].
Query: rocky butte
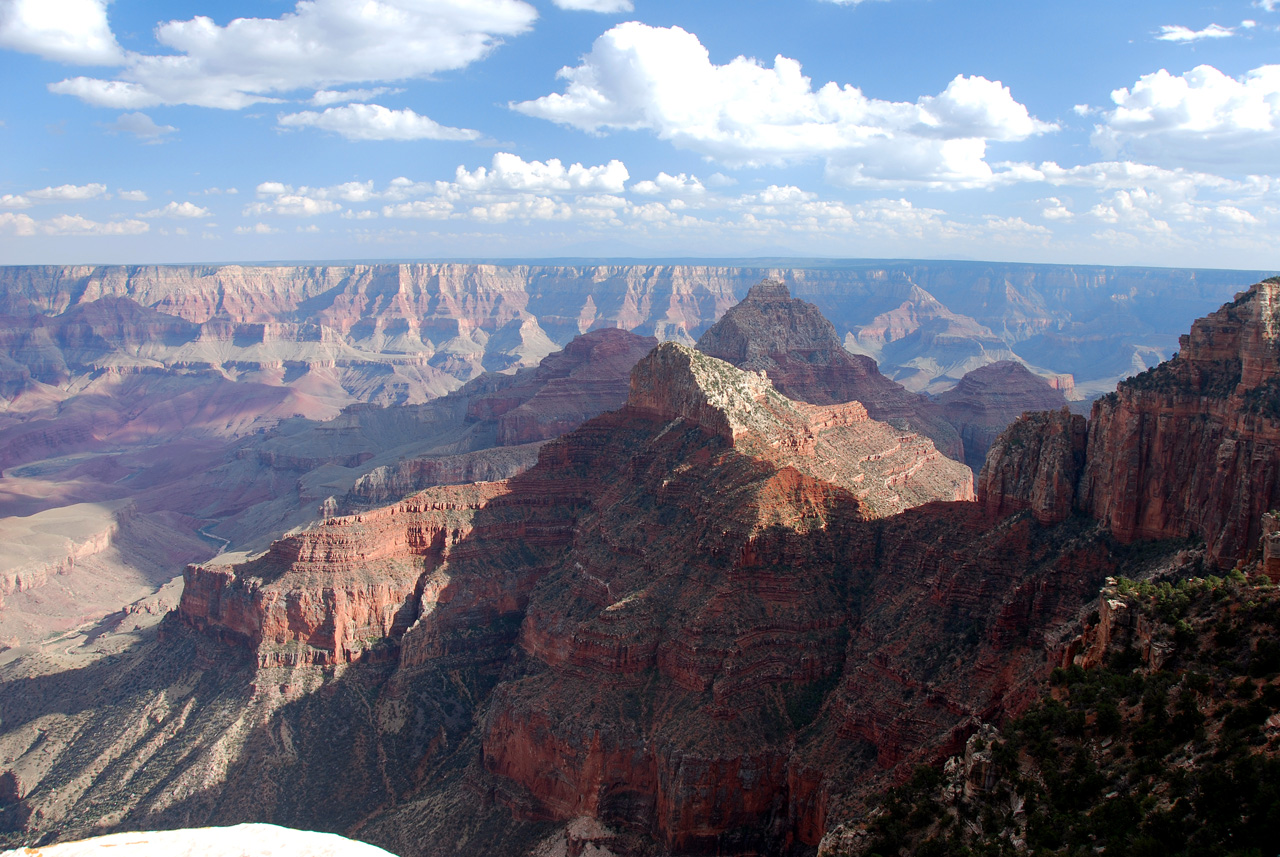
[714,621]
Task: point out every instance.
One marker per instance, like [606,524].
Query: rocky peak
[769,326]
[991,397]
[798,348]
[676,382]
[768,290]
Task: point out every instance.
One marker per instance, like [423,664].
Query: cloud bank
[745,114]
[319,45]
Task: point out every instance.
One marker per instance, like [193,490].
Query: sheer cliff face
[1192,447]
[791,342]
[1188,448]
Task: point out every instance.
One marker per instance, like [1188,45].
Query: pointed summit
[794,344]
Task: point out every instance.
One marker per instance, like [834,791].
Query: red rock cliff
[1192,447]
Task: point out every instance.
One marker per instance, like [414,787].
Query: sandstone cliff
[1035,464]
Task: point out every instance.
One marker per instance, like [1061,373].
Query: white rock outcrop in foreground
[243,840]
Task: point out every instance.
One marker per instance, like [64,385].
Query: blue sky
[141,131]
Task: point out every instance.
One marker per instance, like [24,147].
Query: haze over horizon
[1142,134]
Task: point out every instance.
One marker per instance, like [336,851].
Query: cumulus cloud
[69,224]
[1200,117]
[375,122]
[319,45]
[132,195]
[595,5]
[14,200]
[178,209]
[1178,33]
[746,114]
[509,172]
[141,126]
[511,188]
[1268,5]
[678,185]
[1055,209]
[325,97]
[68,192]
[69,31]
[256,229]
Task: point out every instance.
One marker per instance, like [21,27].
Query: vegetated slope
[1160,734]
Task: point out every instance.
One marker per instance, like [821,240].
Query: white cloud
[1055,209]
[595,5]
[142,126]
[1178,33]
[291,205]
[69,31]
[256,229]
[69,224]
[132,195]
[375,122]
[1268,5]
[320,44]
[745,114]
[511,188]
[1201,117]
[178,209]
[68,192]
[679,185]
[428,209]
[11,200]
[325,97]
[509,172]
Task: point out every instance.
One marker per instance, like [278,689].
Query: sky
[1143,132]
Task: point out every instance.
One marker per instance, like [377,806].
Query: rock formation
[799,350]
[988,399]
[1035,464]
[1192,447]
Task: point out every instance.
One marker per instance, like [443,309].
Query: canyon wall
[1187,449]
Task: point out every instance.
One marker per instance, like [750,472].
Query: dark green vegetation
[1169,746]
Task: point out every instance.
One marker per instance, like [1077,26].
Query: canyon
[719,616]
